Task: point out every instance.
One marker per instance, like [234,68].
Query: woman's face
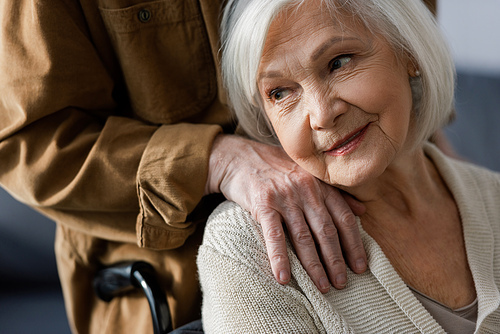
[337,96]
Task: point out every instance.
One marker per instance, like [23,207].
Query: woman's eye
[339,62]
[279,94]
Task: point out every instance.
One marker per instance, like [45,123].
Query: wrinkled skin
[265,181]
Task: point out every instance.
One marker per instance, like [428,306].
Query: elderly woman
[352,90]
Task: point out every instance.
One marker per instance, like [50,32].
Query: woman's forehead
[306,25]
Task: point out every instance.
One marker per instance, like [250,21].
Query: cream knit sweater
[242,296]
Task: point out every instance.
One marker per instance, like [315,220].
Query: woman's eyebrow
[323,47]
[270,74]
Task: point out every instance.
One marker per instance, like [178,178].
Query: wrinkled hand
[266,182]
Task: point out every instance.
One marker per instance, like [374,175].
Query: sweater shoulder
[231,231]
[465,176]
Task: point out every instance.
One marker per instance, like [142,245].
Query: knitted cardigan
[240,294]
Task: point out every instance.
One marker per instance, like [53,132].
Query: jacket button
[144,15]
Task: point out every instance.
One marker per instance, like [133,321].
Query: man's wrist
[217,164]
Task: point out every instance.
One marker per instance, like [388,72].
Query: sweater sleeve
[240,294]
[73,150]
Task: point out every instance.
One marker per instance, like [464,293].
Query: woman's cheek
[301,149]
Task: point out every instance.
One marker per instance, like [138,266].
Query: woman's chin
[355,179]
[350,185]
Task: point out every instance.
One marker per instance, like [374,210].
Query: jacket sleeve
[69,150]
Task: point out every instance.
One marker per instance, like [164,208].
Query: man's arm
[72,150]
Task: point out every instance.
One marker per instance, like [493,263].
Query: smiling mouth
[349,143]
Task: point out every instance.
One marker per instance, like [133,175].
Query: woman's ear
[413,70]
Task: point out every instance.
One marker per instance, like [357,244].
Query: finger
[276,245]
[348,230]
[305,248]
[326,236]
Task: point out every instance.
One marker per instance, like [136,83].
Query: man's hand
[266,182]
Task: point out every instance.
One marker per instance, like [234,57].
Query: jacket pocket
[165,56]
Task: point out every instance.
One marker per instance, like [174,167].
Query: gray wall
[471,27]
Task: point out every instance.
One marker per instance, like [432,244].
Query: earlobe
[413,70]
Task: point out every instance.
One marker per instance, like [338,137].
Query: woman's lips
[349,143]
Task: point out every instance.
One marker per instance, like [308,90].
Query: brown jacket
[108,110]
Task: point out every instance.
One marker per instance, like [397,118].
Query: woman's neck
[411,184]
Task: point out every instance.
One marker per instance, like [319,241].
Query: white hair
[407,25]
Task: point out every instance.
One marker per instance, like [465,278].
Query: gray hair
[407,25]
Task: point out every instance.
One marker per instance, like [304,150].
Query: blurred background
[30,296]
[471,28]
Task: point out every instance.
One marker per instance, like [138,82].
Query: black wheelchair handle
[123,277]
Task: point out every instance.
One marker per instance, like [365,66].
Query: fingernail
[360,264]
[284,276]
[341,280]
[324,283]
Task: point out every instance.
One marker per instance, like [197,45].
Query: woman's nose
[324,111]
